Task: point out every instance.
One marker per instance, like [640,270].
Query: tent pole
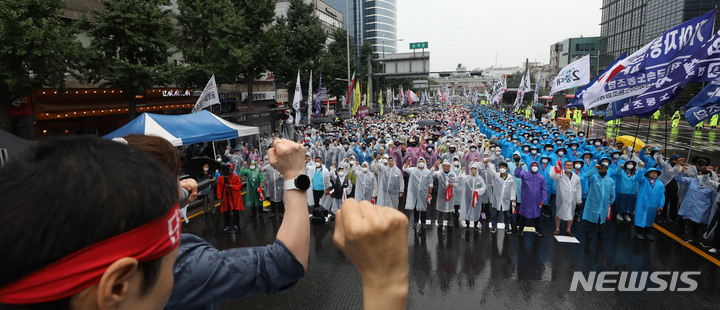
[214,152]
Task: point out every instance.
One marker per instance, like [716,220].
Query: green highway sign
[418,45]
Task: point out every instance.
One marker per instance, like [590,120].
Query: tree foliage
[208,33]
[132,41]
[261,42]
[304,40]
[37,49]
[334,64]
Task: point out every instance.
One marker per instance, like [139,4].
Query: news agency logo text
[634,281]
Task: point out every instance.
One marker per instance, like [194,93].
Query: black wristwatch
[300,182]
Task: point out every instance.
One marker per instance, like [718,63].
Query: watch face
[302,182]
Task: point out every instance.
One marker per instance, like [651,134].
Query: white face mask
[317,165]
[578,166]
[252,167]
[503,170]
[364,169]
[384,161]
[352,162]
[497,153]
[561,153]
[616,156]
[341,174]
[421,165]
[534,169]
[598,143]
[544,161]
[533,152]
[206,169]
[472,149]
[456,163]
[630,166]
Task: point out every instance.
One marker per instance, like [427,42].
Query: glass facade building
[381,25]
[627,25]
[372,20]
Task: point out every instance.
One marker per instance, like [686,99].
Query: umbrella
[320,120]
[427,122]
[195,165]
[628,141]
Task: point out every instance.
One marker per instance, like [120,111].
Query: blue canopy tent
[184,129]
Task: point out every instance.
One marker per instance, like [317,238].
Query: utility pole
[370,89]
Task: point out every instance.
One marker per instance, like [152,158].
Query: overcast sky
[473,32]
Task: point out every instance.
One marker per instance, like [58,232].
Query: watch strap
[290,185]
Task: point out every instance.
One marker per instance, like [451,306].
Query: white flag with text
[575,74]
[296,100]
[208,97]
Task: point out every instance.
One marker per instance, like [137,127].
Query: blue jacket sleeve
[206,275]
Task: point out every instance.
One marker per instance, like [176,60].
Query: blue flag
[613,108]
[578,100]
[635,74]
[705,104]
[318,100]
[701,66]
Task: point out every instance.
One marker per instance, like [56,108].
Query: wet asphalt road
[459,269]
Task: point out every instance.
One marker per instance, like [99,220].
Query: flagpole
[691,144]
[666,127]
[637,131]
[647,137]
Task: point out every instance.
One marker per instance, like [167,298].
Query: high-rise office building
[627,25]
[371,20]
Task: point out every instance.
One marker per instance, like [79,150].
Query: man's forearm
[294,231]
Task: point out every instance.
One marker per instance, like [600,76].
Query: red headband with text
[80,270]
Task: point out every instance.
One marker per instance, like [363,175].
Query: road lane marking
[688,245]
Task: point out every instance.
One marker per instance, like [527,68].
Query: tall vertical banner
[522,89]
[380,102]
[350,89]
[635,74]
[536,96]
[208,97]
[296,100]
[318,100]
[575,74]
[357,99]
[310,98]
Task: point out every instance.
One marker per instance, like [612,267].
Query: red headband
[82,269]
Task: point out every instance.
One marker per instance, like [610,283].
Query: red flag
[260,194]
[448,193]
[350,89]
[474,199]
[609,212]
[558,167]
[429,198]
